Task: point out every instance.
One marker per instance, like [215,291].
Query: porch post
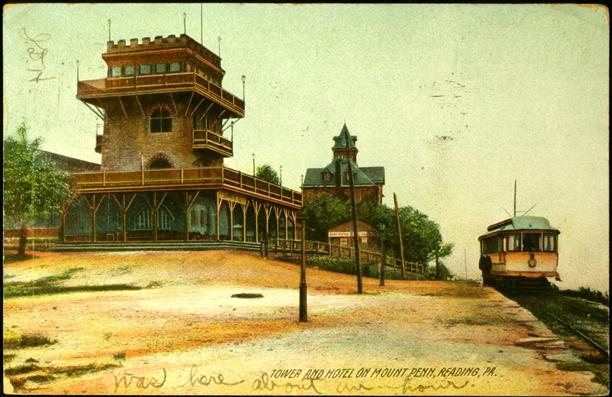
[154,216]
[218,218]
[231,226]
[286,225]
[93,218]
[244,221]
[185,215]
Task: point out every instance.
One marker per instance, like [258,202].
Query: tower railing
[204,138]
[152,82]
[183,178]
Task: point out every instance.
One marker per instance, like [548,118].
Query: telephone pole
[354,211]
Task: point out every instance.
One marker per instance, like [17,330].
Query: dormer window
[145,69]
[129,70]
[327,176]
[175,67]
[116,71]
[161,68]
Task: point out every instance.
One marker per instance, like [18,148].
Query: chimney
[146,40]
[158,40]
[133,43]
[171,38]
[121,44]
[109,45]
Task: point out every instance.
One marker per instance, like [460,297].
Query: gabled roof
[376,174]
[348,227]
[340,140]
[367,176]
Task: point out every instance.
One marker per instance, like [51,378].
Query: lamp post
[381,228]
[303,286]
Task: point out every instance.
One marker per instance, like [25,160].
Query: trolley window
[531,242]
[549,242]
[514,242]
[491,244]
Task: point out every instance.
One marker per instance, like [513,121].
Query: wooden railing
[93,182]
[203,139]
[113,85]
[365,257]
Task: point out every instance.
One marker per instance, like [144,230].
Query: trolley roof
[520,223]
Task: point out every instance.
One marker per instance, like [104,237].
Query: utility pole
[303,286]
[354,211]
[399,233]
[381,228]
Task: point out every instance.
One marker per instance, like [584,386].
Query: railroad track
[590,313]
[581,334]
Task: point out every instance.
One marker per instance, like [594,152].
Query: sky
[455,101]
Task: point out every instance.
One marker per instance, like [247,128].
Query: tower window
[116,71]
[175,67]
[161,121]
[161,68]
[145,69]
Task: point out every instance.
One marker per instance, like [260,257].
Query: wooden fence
[336,251]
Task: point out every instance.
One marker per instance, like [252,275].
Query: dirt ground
[182,332]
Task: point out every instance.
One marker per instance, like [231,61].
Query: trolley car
[519,251]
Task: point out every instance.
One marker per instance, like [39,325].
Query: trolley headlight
[532,260]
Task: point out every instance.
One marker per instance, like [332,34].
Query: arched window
[161,120]
[203,218]
[160,163]
[164,221]
[143,219]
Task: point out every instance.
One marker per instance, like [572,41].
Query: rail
[203,138]
[93,182]
[151,82]
[319,248]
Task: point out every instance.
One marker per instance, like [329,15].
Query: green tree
[421,236]
[324,213]
[267,173]
[33,187]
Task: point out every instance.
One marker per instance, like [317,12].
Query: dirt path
[182,332]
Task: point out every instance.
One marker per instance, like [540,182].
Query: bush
[588,294]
